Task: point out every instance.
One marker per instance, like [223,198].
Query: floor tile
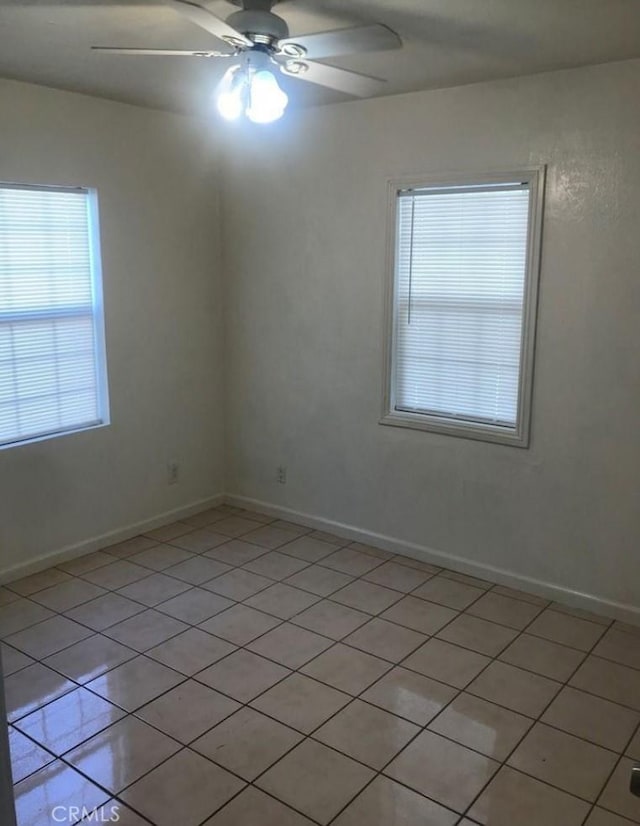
[195,605]
[145,630]
[609,680]
[20,614]
[346,669]
[398,577]
[419,615]
[478,634]
[89,658]
[247,743]
[167,532]
[187,711]
[371,550]
[600,721]
[385,639]
[291,527]
[620,647]
[350,561]
[49,636]
[290,645]
[446,772]
[275,565]
[261,518]
[68,595]
[186,789]
[27,757]
[331,619]
[514,798]
[204,519]
[633,749]
[200,540]
[418,564]
[198,569]
[56,785]
[543,656]
[116,575]
[498,608]
[130,546]
[32,687]
[38,582]
[153,589]
[301,702]
[235,526]
[616,797]
[562,760]
[482,726]
[243,675]
[409,695]
[282,600]
[255,808]
[514,688]
[161,557]
[310,549]
[269,536]
[626,627]
[514,593]
[135,683]
[240,624]
[7,596]
[13,660]
[367,734]
[69,720]
[315,780]
[448,592]
[581,613]
[467,579]
[191,651]
[385,802]
[319,580]
[121,754]
[238,584]
[236,552]
[600,817]
[105,611]
[449,663]
[568,630]
[366,596]
[331,538]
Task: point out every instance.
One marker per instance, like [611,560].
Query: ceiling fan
[258,40]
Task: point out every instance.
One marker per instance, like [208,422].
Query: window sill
[461,429]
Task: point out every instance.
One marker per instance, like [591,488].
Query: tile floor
[234,670]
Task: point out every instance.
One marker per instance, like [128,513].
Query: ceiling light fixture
[250,88]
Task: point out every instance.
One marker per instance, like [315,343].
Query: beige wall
[304,243]
[157,183]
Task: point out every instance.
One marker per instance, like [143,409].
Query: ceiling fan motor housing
[259,25]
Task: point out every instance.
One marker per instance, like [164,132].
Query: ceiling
[446,43]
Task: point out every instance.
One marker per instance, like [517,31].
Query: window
[462,305]
[52,354]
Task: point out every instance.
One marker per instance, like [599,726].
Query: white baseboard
[95,543]
[547,590]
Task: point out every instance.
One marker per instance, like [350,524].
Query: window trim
[97,303]
[520,435]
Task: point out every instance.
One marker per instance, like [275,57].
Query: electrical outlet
[173,472]
[281,475]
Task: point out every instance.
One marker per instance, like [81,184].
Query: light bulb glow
[251,89]
[267,101]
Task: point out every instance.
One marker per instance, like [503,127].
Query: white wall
[304,234]
[157,183]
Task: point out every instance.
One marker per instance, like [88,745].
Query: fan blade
[206,20]
[352,83]
[374,38]
[160,52]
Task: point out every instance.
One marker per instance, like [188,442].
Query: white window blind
[459,301]
[52,362]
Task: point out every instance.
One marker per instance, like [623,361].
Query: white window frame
[518,436]
[100,348]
